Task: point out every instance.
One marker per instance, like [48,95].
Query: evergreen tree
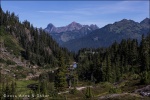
[88,93]
[44,87]
[108,68]
[60,77]
[13,90]
[7,92]
[145,77]
[144,52]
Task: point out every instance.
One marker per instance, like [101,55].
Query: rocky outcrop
[145,91]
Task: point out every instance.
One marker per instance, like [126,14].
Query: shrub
[145,77]
[88,93]
[135,76]
[115,90]
[11,46]
[9,62]
[73,91]
[106,85]
[2,60]
[19,67]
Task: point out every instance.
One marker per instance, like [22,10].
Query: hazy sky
[61,13]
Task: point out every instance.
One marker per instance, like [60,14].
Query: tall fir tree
[60,77]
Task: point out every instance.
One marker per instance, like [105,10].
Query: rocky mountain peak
[73,23]
[145,21]
[126,21]
[74,26]
[50,25]
[94,27]
[50,28]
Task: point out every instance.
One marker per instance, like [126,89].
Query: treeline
[38,46]
[110,64]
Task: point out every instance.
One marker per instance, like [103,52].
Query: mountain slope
[25,46]
[110,33]
[72,31]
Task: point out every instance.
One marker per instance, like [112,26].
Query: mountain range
[72,31]
[76,36]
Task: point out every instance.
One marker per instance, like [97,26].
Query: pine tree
[44,87]
[88,93]
[7,91]
[13,90]
[108,68]
[104,71]
[134,52]
[60,77]
[144,55]
[60,80]
[145,77]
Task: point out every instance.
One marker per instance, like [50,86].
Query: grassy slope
[10,42]
[22,86]
[123,90]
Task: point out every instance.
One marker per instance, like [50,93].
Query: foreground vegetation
[104,90]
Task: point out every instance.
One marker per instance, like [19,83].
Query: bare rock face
[74,26]
[70,32]
[145,91]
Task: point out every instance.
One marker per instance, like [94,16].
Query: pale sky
[62,13]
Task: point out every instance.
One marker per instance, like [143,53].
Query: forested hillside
[27,54]
[110,64]
[37,46]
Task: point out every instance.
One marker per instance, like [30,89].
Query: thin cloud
[119,7]
[56,12]
[65,12]
[123,6]
[97,13]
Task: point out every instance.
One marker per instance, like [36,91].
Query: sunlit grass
[22,86]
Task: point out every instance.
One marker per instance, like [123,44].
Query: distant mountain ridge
[110,33]
[76,36]
[72,31]
[71,27]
